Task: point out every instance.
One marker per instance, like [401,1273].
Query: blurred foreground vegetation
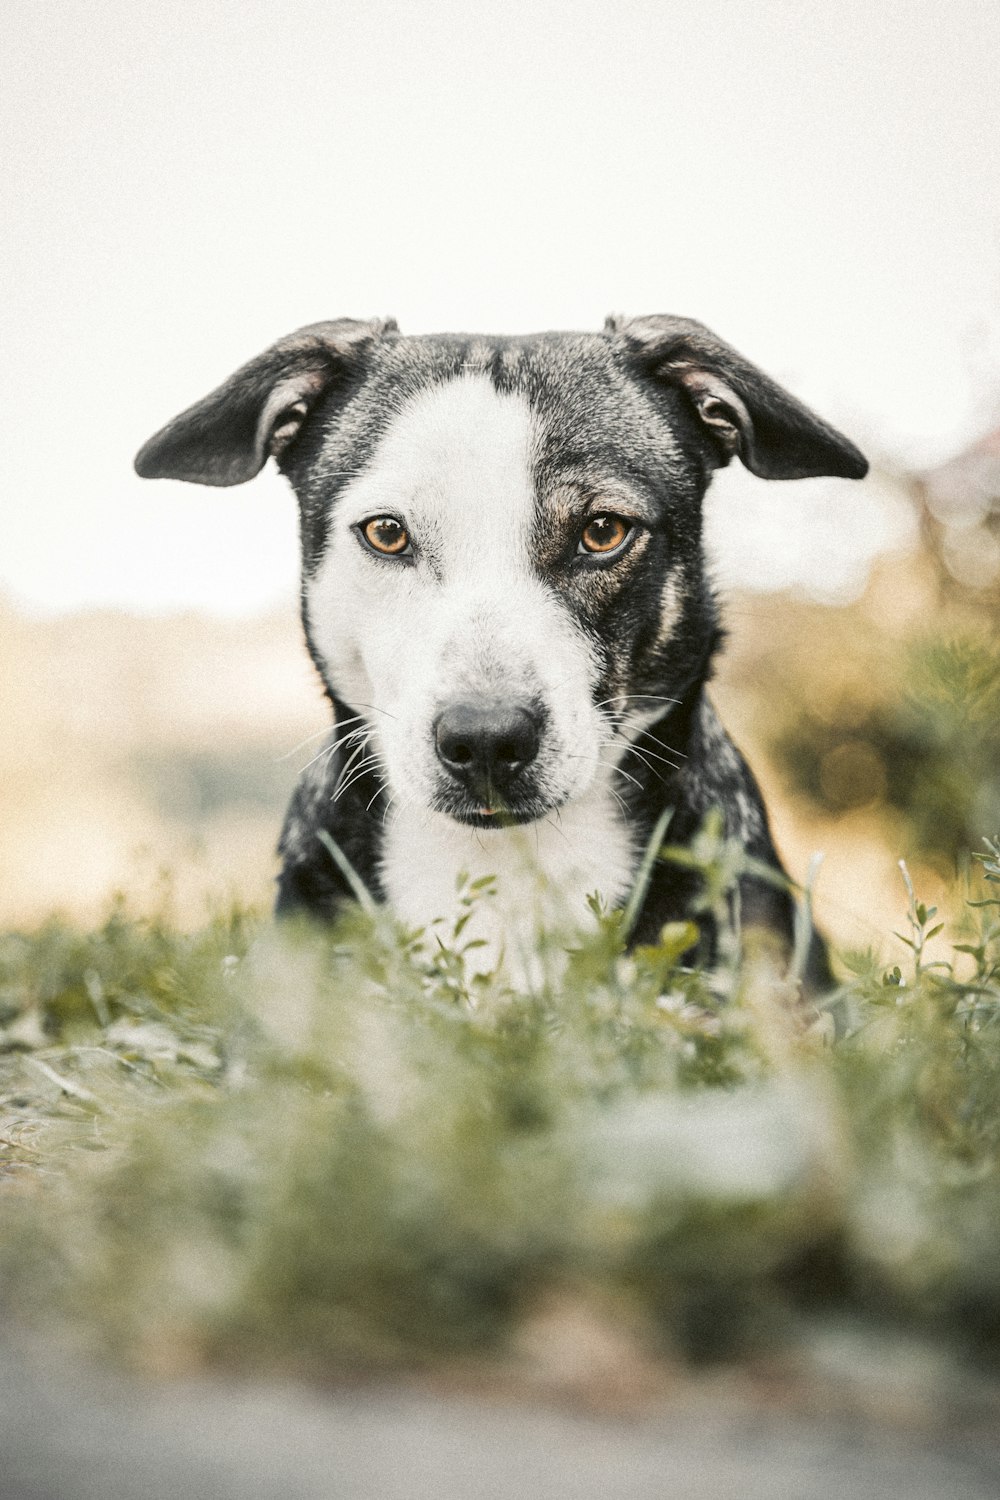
[338,1151]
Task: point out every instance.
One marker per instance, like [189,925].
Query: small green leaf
[676,939]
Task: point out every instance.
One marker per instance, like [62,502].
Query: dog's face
[502,564]
[507,558]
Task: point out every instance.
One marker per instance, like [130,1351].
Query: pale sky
[182,183]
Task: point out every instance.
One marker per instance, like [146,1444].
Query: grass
[340,1150]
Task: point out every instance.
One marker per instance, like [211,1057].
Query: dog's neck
[544,872]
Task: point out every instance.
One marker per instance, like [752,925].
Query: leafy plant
[927,752]
[348,1148]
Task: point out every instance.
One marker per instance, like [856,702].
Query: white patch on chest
[544,873]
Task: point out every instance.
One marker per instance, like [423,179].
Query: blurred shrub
[928,751]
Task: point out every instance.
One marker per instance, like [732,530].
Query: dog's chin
[508,818]
[511,813]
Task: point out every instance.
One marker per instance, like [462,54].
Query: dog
[504,593]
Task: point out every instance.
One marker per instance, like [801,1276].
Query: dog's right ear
[228,436]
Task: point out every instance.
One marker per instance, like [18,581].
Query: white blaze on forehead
[455,466]
[458,460]
[469,616]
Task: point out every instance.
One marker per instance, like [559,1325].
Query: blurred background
[182,184]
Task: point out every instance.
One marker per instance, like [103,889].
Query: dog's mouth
[494,811]
[495,817]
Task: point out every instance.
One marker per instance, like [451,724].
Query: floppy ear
[745,411]
[228,436]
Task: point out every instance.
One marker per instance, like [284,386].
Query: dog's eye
[386,535]
[604,534]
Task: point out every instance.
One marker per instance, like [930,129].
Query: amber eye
[604,533]
[386,535]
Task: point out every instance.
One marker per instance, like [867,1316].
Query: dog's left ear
[227,437]
[746,412]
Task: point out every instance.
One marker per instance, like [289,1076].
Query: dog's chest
[544,874]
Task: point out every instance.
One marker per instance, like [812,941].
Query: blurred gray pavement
[69,1433]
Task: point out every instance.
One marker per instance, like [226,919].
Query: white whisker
[597,761]
[378,793]
[632,697]
[302,744]
[374,708]
[399,807]
[371,762]
[359,749]
[365,765]
[646,752]
[328,750]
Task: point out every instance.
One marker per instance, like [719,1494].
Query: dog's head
[501,537]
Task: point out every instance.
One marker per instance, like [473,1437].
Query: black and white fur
[492,453]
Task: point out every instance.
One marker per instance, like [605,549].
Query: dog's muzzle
[486,746]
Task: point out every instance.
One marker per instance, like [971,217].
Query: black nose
[486,744]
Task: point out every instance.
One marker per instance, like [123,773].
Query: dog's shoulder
[714,776]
